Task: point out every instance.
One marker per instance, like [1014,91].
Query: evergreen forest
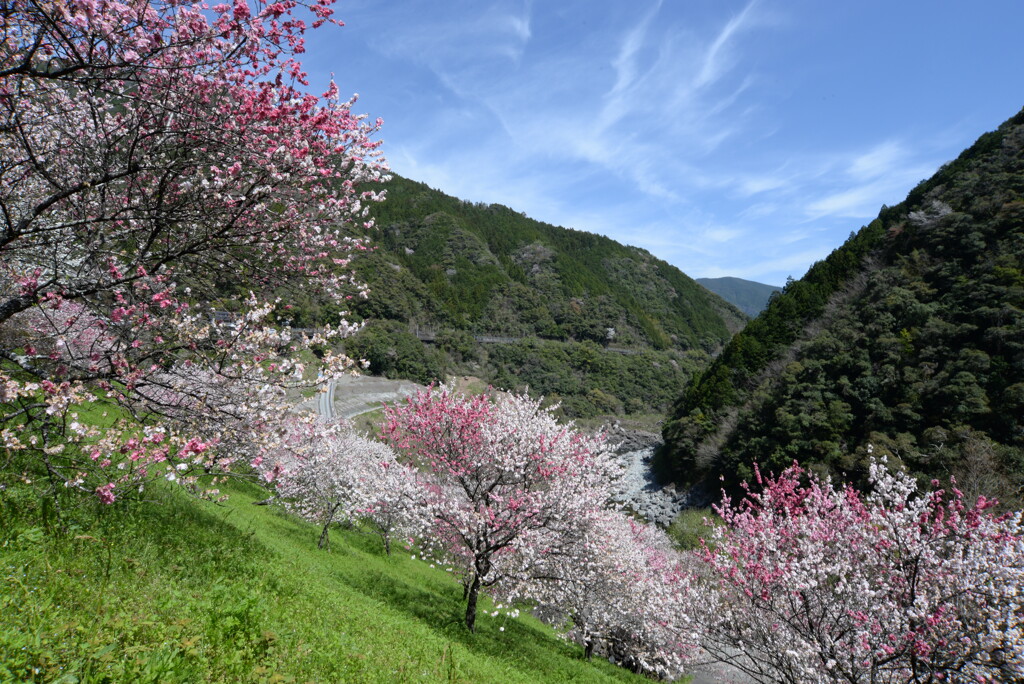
[909,337]
[461,288]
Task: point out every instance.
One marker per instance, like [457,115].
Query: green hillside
[470,289]
[910,337]
[447,263]
[748,296]
[173,589]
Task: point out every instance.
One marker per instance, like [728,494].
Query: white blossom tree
[619,589]
[331,474]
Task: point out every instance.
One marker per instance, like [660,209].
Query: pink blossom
[151,160]
[105,493]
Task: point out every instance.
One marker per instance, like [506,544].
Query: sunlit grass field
[173,589]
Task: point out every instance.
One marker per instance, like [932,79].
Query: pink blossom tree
[824,584]
[509,487]
[153,154]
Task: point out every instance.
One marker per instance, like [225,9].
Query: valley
[561,458]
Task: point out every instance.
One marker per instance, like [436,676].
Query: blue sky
[728,138]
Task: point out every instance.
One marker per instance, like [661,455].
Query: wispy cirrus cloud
[866,180]
[704,132]
[718,57]
[878,161]
[461,54]
[852,203]
[678,81]
[646,112]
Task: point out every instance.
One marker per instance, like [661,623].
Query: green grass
[369,423]
[178,590]
[689,527]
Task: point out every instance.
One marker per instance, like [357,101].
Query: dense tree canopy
[908,336]
[148,150]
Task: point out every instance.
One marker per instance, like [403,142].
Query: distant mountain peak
[748,296]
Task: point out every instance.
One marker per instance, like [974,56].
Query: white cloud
[878,161]
[520,25]
[464,53]
[882,175]
[717,58]
[723,234]
[755,185]
[760,210]
[854,203]
[625,63]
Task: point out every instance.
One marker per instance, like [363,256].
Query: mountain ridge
[748,296]
[909,338]
[602,327]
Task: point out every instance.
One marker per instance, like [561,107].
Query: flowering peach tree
[332,474]
[509,486]
[823,584]
[157,158]
[618,591]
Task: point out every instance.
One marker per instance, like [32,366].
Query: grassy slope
[180,590]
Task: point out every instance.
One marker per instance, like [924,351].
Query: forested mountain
[447,263]
[748,296]
[604,327]
[909,337]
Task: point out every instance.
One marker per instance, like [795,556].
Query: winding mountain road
[352,395]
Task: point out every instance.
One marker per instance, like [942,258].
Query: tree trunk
[471,596]
[481,566]
[325,541]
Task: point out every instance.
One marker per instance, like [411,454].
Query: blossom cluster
[329,474]
[817,583]
[155,155]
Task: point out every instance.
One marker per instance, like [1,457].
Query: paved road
[351,395]
[719,673]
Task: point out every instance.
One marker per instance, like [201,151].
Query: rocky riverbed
[642,492]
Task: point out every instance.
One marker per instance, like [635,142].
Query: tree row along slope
[603,327]
[910,337]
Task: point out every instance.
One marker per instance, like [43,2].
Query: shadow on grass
[435,599]
[411,588]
